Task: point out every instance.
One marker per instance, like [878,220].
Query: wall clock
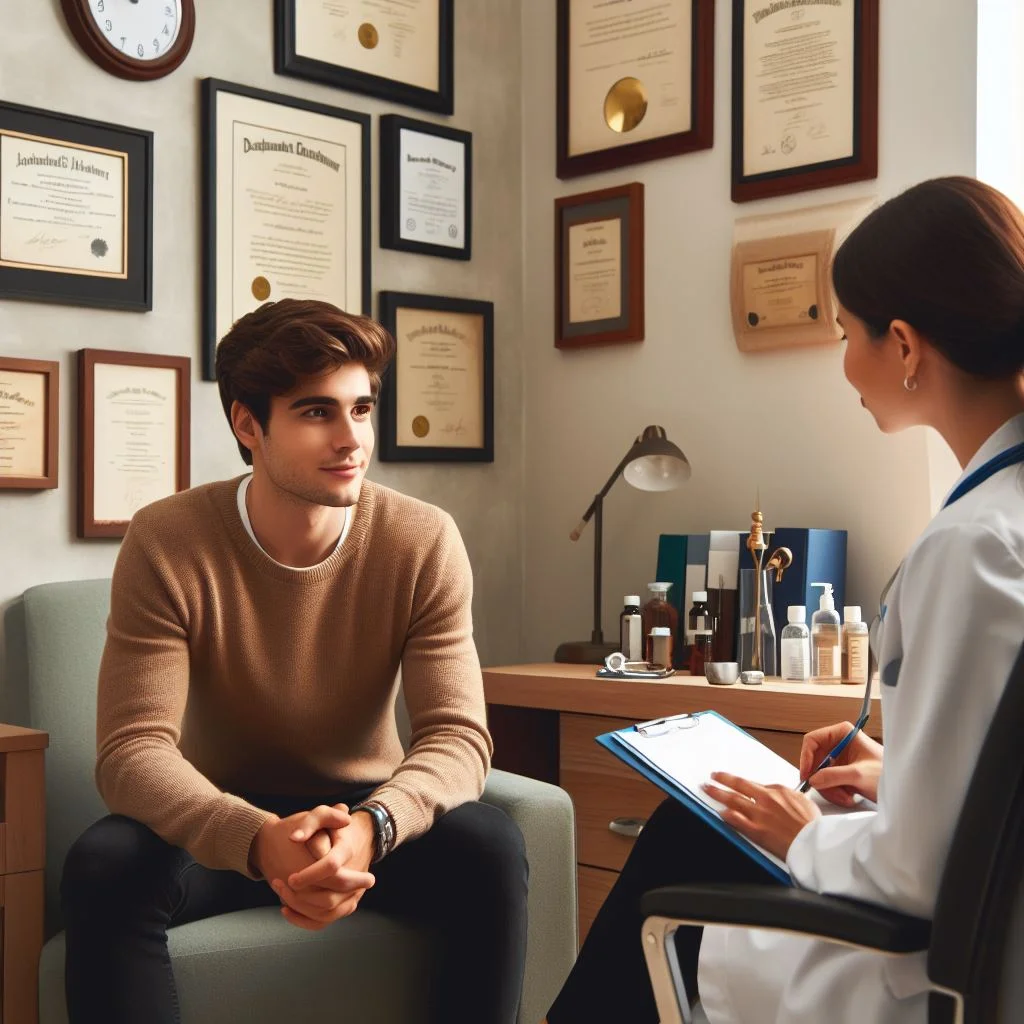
[135,39]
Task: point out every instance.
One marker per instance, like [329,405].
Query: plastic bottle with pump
[826,648]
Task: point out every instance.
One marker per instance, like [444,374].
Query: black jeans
[610,981]
[123,887]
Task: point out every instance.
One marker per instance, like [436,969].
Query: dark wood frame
[391,126]
[861,166]
[210,88]
[88,358]
[388,304]
[440,101]
[51,371]
[134,292]
[98,49]
[632,264]
[702,112]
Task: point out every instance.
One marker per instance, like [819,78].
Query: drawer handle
[628,827]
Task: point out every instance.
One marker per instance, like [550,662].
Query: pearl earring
[910,383]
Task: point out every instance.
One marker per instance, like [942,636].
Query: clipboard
[680,752]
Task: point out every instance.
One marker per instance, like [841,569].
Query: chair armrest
[834,918]
[544,814]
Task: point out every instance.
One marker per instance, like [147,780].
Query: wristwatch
[383,828]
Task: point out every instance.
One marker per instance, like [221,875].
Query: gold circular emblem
[421,426]
[625,105]
[260,288]
[368,35]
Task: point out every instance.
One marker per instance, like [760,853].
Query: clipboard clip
[659,726]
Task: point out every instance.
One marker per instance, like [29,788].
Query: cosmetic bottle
[796,645]
[631,630]
[855,646]
[826,650]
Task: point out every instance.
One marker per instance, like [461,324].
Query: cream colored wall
[786,423]
[40,65]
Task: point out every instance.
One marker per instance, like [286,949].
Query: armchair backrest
[977,945]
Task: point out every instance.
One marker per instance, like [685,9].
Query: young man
[247,746]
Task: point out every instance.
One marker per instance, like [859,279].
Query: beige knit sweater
[225,672]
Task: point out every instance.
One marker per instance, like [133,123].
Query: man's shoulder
[405,514]
[188,513]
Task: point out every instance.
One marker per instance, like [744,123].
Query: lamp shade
[654,463]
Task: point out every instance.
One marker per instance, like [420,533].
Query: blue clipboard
[662,780]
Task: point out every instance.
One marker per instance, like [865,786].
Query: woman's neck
[975,414]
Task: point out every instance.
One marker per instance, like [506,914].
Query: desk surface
[791,707]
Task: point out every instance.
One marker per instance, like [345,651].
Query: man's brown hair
[268,351]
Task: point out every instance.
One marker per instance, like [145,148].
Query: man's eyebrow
[300,403]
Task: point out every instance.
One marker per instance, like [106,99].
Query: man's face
[319,438]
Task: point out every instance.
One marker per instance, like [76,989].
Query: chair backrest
[977,945]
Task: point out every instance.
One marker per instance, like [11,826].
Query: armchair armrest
[834,918]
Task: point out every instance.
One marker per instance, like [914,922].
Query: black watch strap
[383,828]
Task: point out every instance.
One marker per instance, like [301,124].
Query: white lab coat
[951,632]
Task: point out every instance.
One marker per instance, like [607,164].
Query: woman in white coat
[931,300]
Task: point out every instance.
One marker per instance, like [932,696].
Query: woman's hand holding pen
[854,772]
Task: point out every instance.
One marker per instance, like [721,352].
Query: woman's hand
[854,772]
[770,816]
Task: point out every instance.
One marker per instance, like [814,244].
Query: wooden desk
[544,718]
[22,856]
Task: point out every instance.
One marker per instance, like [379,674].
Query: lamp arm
[598,498]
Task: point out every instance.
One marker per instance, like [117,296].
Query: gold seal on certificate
[260,288]
[625,105]
[421,426]
[368,35]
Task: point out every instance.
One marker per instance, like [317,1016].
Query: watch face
[140,29]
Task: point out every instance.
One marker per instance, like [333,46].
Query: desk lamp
[653,463]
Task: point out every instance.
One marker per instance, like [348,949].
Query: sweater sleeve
[959,611]
[143,690]
[450,749]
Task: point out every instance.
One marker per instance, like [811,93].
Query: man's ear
[245,427]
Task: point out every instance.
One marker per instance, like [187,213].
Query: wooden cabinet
[544,719]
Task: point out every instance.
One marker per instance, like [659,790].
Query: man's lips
[342,470]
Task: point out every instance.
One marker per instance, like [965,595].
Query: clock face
[140,29]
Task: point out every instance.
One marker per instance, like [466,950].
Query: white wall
[40,65]
[787,423]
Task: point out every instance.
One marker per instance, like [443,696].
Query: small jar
[660,645]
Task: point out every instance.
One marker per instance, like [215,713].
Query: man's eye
[315,413]
[362,410]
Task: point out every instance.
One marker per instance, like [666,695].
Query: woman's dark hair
[947,256]
[268,351]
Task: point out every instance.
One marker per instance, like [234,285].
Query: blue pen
[844,742]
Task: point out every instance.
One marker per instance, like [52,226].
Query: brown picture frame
[702,97]
[51,420]
[861,166]
[627,203]
[89,526]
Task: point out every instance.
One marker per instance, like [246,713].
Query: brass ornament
[625,105]
[260,288]
[369,37]
[421,426]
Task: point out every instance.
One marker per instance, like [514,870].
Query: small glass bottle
[855,646]
[702,630]
[796,645]
[658,612]
[826,647]
[631,631]
[660,646]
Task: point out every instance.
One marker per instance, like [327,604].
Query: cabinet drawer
[594,886]
[602,789]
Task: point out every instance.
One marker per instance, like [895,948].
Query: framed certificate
[286,200]
[635,82]
[426,188]
[437,400]
[599,267]
[29,421]
[76,210]
[781,292]
[398,51]
[133,435]
[804,96]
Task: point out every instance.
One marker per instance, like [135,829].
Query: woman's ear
[909,344]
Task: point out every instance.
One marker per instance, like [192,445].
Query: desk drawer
[602,789]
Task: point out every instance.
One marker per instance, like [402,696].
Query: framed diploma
[133,435]
[804,95]
[781,292]
[635,82]
[286,200]
[426,188]
[599,267]
[29,420]
[397,50]
[76,210]
[437,400]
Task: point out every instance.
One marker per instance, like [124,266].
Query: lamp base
[583,652]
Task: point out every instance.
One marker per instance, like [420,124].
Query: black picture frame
[211,88]
[390,450]
[440,101]
[391,128]
[134,291]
